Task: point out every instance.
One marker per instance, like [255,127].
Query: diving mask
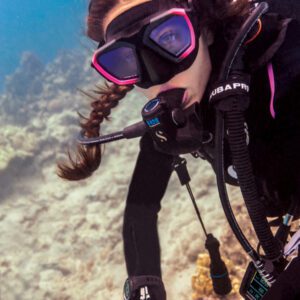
[161,46]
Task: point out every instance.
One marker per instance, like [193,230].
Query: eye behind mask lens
[173,35]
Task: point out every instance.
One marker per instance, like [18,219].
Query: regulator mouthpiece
[174,130]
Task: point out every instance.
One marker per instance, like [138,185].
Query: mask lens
[173,35]
[120,62]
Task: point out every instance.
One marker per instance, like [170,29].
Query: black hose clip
[218,270]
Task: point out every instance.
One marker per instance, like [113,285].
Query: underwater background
[63,240]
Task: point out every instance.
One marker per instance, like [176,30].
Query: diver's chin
[186,102]
[179,95]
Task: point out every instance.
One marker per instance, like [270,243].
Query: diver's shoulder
[278,35]
[287,59]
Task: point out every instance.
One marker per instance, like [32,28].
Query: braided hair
[88,158]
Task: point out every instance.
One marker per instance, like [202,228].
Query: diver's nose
[157,68]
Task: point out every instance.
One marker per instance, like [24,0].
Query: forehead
[120,8]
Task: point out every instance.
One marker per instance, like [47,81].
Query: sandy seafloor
[62,240]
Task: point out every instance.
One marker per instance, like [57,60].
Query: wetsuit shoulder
[286,63]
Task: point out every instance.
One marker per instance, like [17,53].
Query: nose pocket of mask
[156,67]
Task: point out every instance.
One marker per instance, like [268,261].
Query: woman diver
[174,49]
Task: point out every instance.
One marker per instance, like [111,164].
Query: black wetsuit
[274,146]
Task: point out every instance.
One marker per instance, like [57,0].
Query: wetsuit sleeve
[148,185]
[287,286]
[287,103]
[151,174]
[286,64]
[287,107]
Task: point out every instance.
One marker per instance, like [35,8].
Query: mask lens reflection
[173,35]
[120,62]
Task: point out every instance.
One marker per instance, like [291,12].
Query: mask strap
[187,4]
[131,17]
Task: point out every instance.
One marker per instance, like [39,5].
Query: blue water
[40,26]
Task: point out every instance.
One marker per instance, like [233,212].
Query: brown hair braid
[88,158]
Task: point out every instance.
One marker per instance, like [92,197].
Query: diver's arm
[287,107]
[287,104]
[278,133]
[147,187]
[287,286]
[151,174]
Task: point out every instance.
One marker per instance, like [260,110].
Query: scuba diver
[173,51]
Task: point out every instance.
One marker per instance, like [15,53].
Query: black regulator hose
[241,160]
[129,132]
[219,165]
[233,111]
